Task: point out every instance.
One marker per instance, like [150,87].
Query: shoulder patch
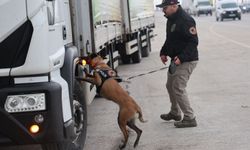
[173,27]
[193,30]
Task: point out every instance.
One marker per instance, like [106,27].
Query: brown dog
[109,88]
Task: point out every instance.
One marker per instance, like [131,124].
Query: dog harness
[105,75]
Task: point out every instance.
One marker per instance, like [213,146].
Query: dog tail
[141,117]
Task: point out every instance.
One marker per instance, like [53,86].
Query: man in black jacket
[181,46]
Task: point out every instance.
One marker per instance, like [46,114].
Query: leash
[139,75]
[143,74]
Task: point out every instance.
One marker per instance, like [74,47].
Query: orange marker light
[34,128]
[84,62]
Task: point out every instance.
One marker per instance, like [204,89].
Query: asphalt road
[218,90]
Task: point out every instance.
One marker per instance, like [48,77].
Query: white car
[203,7]
[227,9]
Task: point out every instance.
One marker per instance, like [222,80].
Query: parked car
[201,7]
[243,8]
[247,7]
[227,9]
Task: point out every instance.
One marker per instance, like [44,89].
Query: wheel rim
[78,118]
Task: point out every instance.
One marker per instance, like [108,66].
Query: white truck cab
[39,100]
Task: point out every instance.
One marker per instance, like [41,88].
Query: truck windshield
[205,3]
[229,5]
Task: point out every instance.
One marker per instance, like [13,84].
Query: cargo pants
[176,86]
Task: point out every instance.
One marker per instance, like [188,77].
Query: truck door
[14,32]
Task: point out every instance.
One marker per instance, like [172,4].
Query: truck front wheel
[80,124]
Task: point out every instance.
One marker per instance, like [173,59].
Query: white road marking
[211,29]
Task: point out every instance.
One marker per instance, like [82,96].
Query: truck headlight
[25,103]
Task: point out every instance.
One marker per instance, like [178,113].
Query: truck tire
[80,123]
[136,56]
[125,58]
[146,50]
[110,62]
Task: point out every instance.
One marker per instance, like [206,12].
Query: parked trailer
[138,21]
[107,28]
[41,102]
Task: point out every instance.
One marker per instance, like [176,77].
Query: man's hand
[177,60]
[164,59]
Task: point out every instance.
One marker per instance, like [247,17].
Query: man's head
[169,7]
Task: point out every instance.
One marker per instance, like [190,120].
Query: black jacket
[181,38]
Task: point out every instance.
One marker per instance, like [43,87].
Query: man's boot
[186,123]
[170,116]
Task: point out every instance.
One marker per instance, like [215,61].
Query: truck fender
[68,69]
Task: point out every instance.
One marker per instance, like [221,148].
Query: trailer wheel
[80,124]
[146,50]
[136,56]
[125,58]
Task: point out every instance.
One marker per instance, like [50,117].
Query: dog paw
[136,143]
[122,146]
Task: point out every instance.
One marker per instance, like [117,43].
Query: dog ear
[93,55]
